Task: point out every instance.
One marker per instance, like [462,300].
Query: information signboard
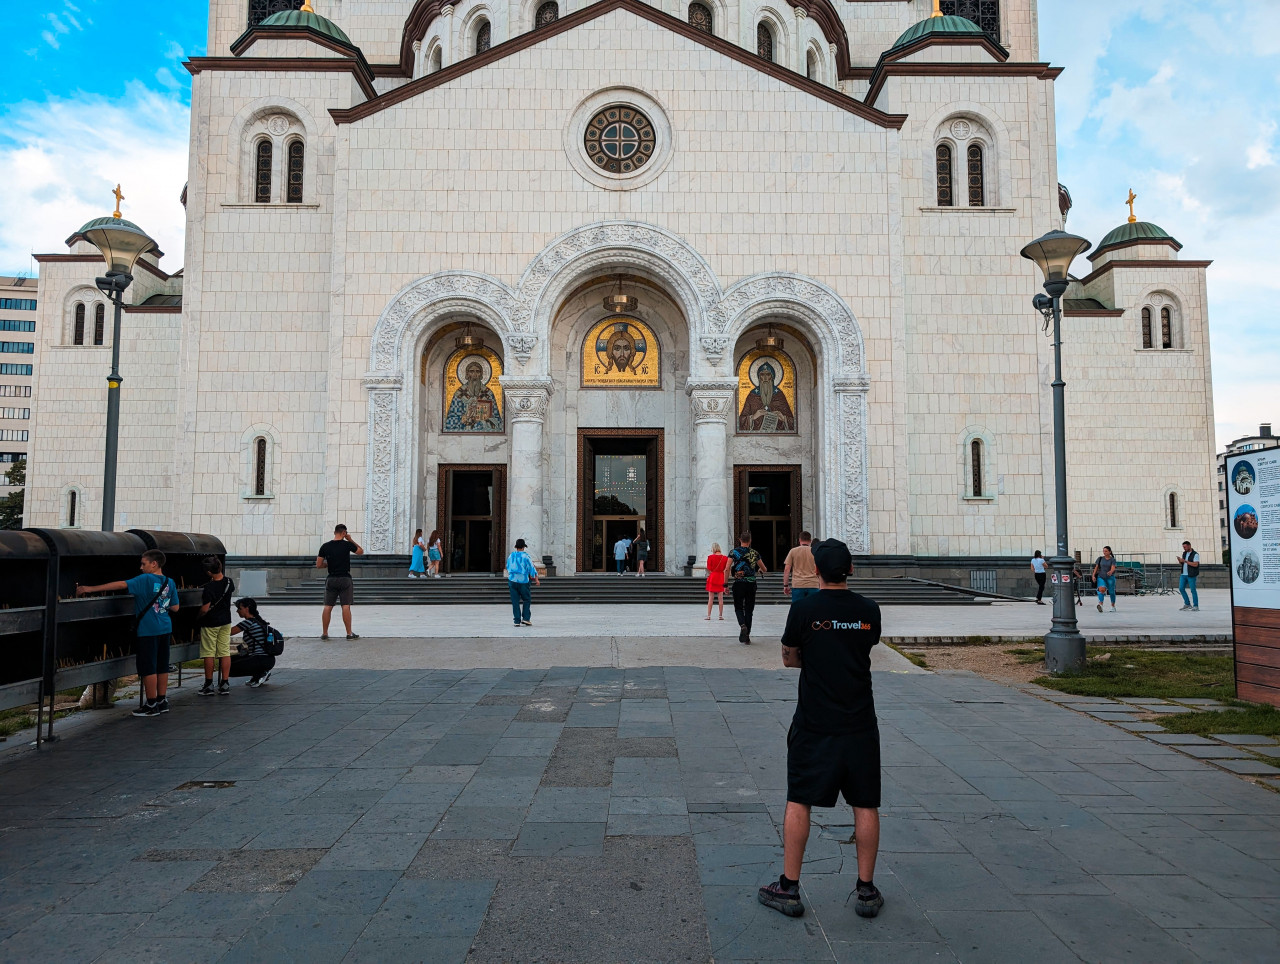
[1253,524]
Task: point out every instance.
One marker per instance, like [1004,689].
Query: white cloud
[49,38]
[59,161]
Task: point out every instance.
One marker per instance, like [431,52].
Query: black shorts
[152,655]
[822,766]
[339,589]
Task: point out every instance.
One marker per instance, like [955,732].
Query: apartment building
[17,356]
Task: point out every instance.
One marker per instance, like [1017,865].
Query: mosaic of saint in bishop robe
[472,391]
[766,392]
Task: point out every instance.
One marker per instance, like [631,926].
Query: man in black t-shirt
[335,555]
[833,746]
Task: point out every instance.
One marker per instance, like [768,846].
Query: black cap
[519,543]
[833,560]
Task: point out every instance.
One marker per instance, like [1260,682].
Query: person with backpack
[215,627]
[155,597]
[745,564]
[262,644]
[1190,560]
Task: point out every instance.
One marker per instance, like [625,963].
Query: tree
[11,505]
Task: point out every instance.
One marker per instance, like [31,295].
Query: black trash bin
[24,576]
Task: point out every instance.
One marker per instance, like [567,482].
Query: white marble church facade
[363,197]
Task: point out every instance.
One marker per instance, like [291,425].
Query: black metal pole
[113,412]
[1063,644]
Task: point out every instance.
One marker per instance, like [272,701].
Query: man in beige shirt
[799,573]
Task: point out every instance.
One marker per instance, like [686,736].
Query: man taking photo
[833,746]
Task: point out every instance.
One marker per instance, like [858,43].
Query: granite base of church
[600,814]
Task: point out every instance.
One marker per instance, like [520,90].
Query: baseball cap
[520,543]
[833,559]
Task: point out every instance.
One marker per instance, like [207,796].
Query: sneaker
[162,704]
[224,688]
[525,622]
[781,898]
[326,635]
[255,682]
[1195,609]
[207,689]
[265,676]
[353,635]
[1099,610]
[147,709]
[1183,609]
[869,901]
[742,633]
[1113,608]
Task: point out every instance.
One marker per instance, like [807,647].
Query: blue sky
[1178,99]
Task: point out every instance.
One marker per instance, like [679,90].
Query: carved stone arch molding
[842,390]
[392,377]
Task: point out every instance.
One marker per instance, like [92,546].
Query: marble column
[712,404]
[446,38]
[525,400]
[801,54]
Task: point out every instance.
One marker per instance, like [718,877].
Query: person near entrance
[1190,560]
[435,552]
[1104,577]
[641,549]
[417,566]
[1038,570]
[745,564]
[799,573]
[520,571]
[716,563]
[833,745]
[155,597]
[335,556]
[620,550]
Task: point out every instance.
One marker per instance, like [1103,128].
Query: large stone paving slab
[595,813]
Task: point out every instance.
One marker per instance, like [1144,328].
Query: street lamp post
[121,243]
[1054,252]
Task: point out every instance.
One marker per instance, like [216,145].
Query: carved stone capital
[711,401]
[714,346]
[380,382]
[522,346]
[526,398]
[801,13]
[857,384]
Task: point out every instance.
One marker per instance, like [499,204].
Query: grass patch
[1262,720]
[11,721]
[1142,673]
[1027,657]
[915,658]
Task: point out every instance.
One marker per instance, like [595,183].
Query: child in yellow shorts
[215,628]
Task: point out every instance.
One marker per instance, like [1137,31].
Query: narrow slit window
[435,61]
[1166,328]
[811,66]
[77,336]
[1173,510]
[262,173]
[945,196]
[975,456]
[764,41]
[296,159]
[71,508]
[1146,327]
[977,192]
[260,466]
[99,323]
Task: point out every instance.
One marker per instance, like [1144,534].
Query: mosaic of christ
[766,392]
[620,352]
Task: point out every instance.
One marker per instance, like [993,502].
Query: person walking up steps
[417,570]
[833,745]
[1104,577]
[335,556]
[435,552]
[520,570]
[1190,560]
[745,564]
[799,574]
[620,550]
[641,549]
[1038,569]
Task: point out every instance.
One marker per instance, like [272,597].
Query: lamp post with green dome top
[121,243]
[1054,252]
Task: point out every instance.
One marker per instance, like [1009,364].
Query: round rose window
[619,140]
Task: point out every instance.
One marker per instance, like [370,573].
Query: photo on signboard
[1246,521]
[1242,478]
[1249,568]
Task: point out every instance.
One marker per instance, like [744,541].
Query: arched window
[1166,328]
[549,12]
[260,466]
[945,196]
[811,65]
[976,192]
[77,336]
[484,37]
[294,185]
[985,13]
[764,41]
[1173,510]
[435,60]
[1146,327]
[975,458]
[72,507]
[701,18]
[99,323]
[262,172]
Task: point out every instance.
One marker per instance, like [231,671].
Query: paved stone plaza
[602,814]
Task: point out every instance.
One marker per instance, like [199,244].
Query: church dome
[1135,232]
[946,26]
[307,20]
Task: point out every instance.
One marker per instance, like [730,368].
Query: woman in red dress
[716,563]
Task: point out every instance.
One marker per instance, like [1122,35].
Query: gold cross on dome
[937,9]
[1129,201]
[119,198]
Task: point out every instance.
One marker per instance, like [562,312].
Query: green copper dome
[940,27]
[295,19]
[1137,231]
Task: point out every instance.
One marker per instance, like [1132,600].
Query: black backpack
[272,639]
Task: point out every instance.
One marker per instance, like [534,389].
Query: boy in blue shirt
[155,596]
